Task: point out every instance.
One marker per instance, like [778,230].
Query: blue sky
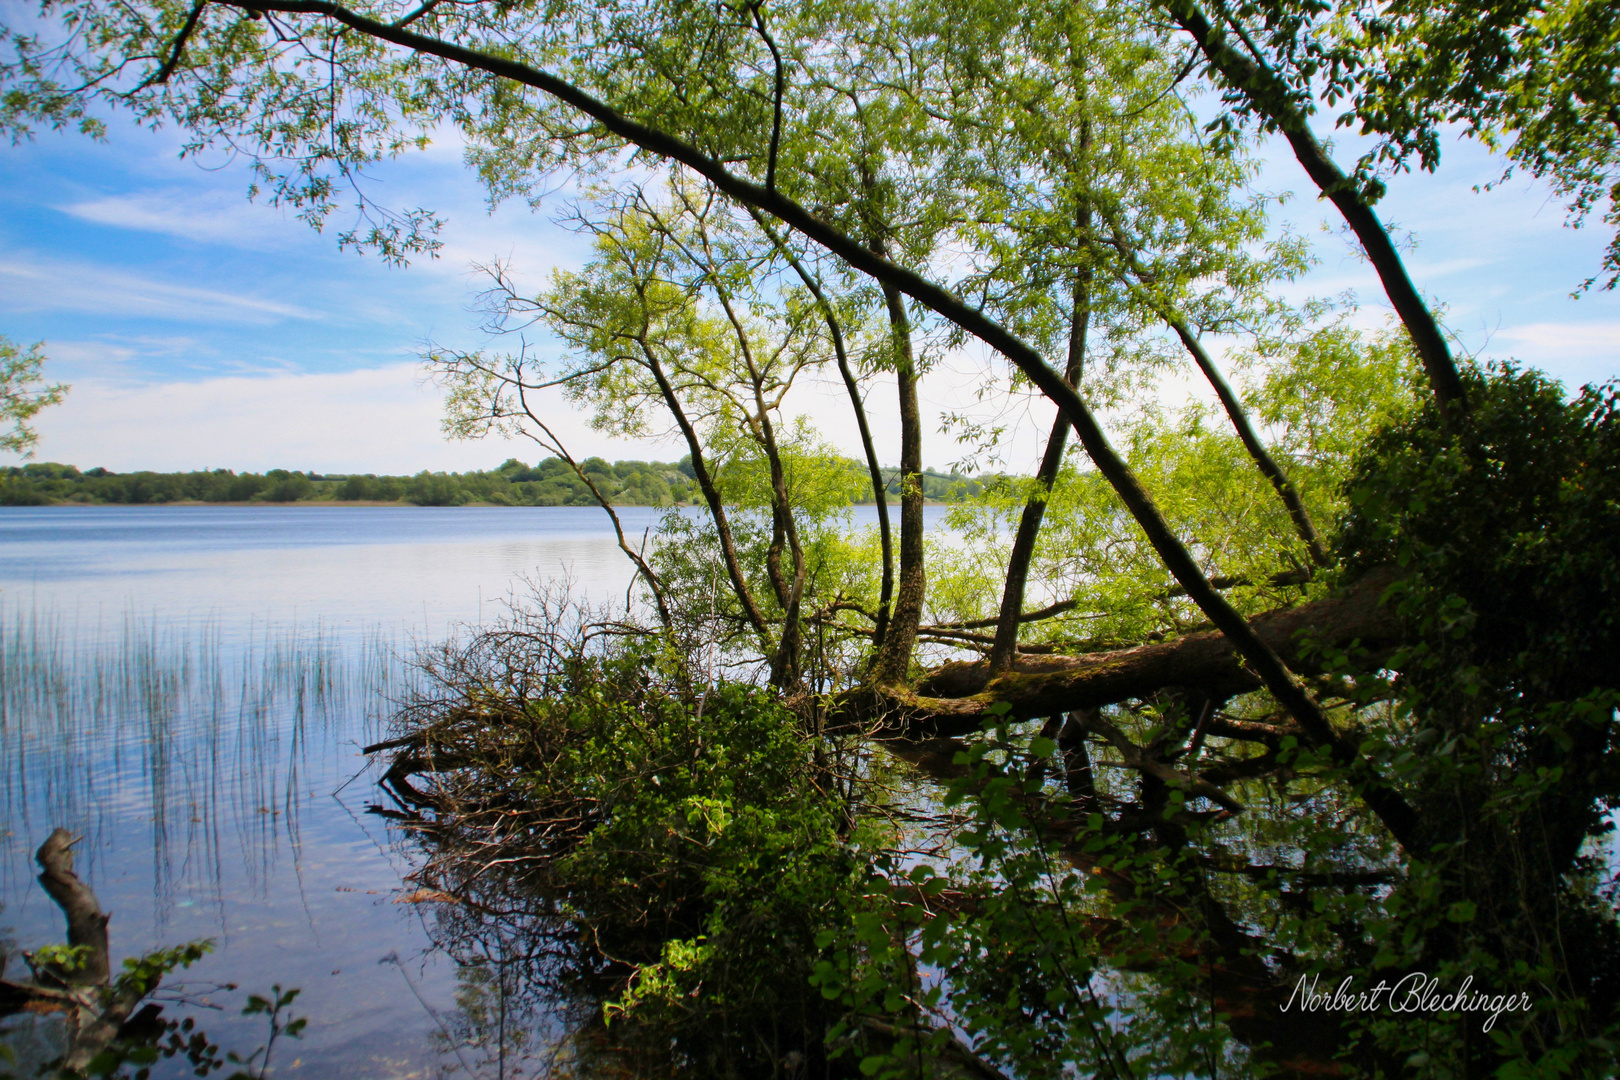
[201,330]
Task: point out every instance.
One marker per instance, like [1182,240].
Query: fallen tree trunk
[956,698]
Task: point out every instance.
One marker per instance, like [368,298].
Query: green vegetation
[708,877]
[110,1025]
[550,483]
[23,393]
[664,858]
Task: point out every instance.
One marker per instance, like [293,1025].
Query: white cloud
[210,217]
[107,358]
[385,420]
[380,420]
[63,286]
[117,355]
[1569,340]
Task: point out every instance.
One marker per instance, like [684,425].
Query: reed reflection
[208,739]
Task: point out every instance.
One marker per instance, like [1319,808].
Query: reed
[208,737]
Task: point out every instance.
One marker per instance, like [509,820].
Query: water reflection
[188,688]
[208,747]
[200,771]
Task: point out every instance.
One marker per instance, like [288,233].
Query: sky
[199,329]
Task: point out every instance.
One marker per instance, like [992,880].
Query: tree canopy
[1221,708]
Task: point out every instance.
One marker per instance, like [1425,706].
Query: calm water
[188,688]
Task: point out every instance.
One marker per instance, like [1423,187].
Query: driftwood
[97,1012]
[86,922]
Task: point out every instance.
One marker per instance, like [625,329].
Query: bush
[1508,529]
[288,488]
[434,489]
[682,851]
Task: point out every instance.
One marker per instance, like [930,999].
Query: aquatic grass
[206,737]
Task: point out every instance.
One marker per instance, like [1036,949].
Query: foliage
[23,393]
[1035,949]
[1534,80]
[630,483]
[276,1009]
[1508,532]
[679,849]
[1515,517]
[1064,937]
[139,1045]
[1157,831]
[743,853]
[1319,396]
[167,1039]
[550,483]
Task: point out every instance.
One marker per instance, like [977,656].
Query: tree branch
[880,493]
[954,697]
[1266,92]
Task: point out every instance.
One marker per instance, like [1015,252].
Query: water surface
[188,688]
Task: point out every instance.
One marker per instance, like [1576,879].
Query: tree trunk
[857,404]
[1303,525]
[1267,93]
[711,496]
[1029,523]
[954,698]
[893,660]
[1384,800]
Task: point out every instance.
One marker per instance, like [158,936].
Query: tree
[23,393]
[1258,774]
[1534,80]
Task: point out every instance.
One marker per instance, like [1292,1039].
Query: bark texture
[953,699]
[97,1012]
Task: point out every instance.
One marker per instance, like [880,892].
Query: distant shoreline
[549,483]
[397,503]
[372,503]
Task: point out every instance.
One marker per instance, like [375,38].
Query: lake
[188,689]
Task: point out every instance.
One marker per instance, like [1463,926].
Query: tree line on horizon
[551,482]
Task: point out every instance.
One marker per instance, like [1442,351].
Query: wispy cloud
[1600,339]
[207,217]
[117,349]
[108,359]
[1423,270]
[28,285]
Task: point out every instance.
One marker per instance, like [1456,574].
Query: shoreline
[386,504]
[389,503]
[337,503]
